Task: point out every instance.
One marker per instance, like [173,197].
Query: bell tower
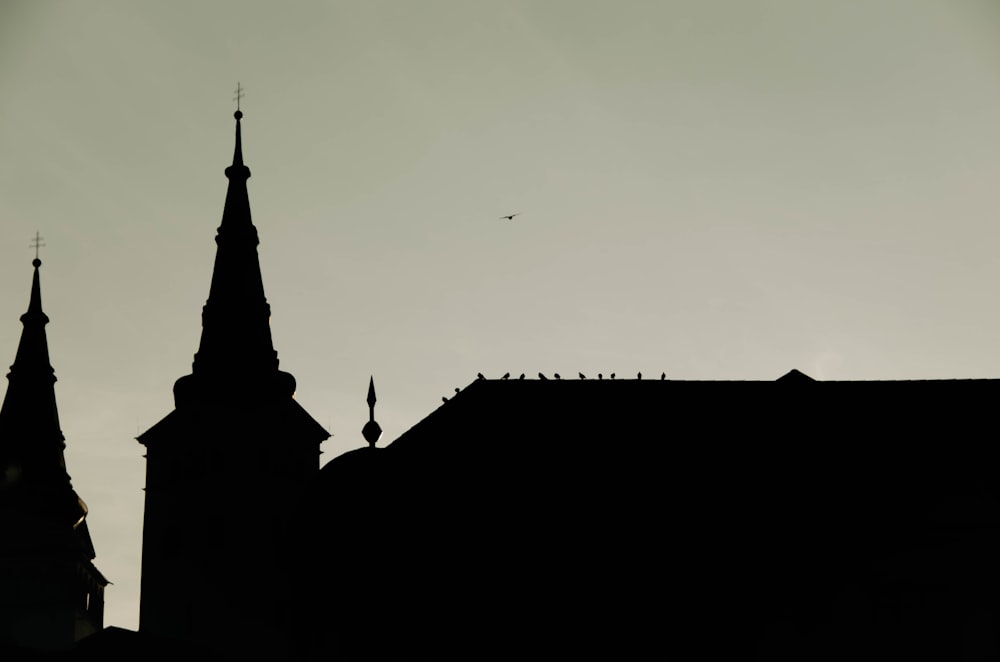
[224,467]
[51,594]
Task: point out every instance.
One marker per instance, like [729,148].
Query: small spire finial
[371,431]
[239,95]
[36,243]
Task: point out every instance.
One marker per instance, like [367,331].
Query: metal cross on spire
[36,243]
[239,94]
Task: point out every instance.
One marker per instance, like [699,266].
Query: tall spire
[235,430]
[45,542]
[236,354]
[33,473]
[29,421]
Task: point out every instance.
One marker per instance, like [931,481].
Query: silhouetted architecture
[51,594]
[630,519]
[227,463]
[601,518]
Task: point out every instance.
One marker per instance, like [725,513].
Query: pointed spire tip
[238,168]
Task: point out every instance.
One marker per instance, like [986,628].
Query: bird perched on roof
[444,399]
[457,390]
[506,375]
[479,375]
[556,375]
[612,375]
[663,375]
[638,375]
[541,376]
[582,376]
[510,217]
[522,376]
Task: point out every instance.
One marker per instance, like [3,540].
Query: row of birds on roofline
[556,375]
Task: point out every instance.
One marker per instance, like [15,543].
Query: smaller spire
[371,431]
[29,420]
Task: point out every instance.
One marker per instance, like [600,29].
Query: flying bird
[510,217]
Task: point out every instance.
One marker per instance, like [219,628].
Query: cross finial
[239,95]
[36,243]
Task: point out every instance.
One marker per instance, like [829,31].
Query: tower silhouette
[51,594]
[230,458]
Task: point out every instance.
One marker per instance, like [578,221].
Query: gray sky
[718,189]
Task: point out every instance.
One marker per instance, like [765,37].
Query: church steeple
[224,469]
[45,547]
[30,436]
[236,356]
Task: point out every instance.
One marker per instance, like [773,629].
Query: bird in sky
[510,217]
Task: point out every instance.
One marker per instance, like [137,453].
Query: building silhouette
[551,518]
[51,594]
[645,519]
[227,463]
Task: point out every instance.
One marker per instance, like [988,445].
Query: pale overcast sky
[718,189]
